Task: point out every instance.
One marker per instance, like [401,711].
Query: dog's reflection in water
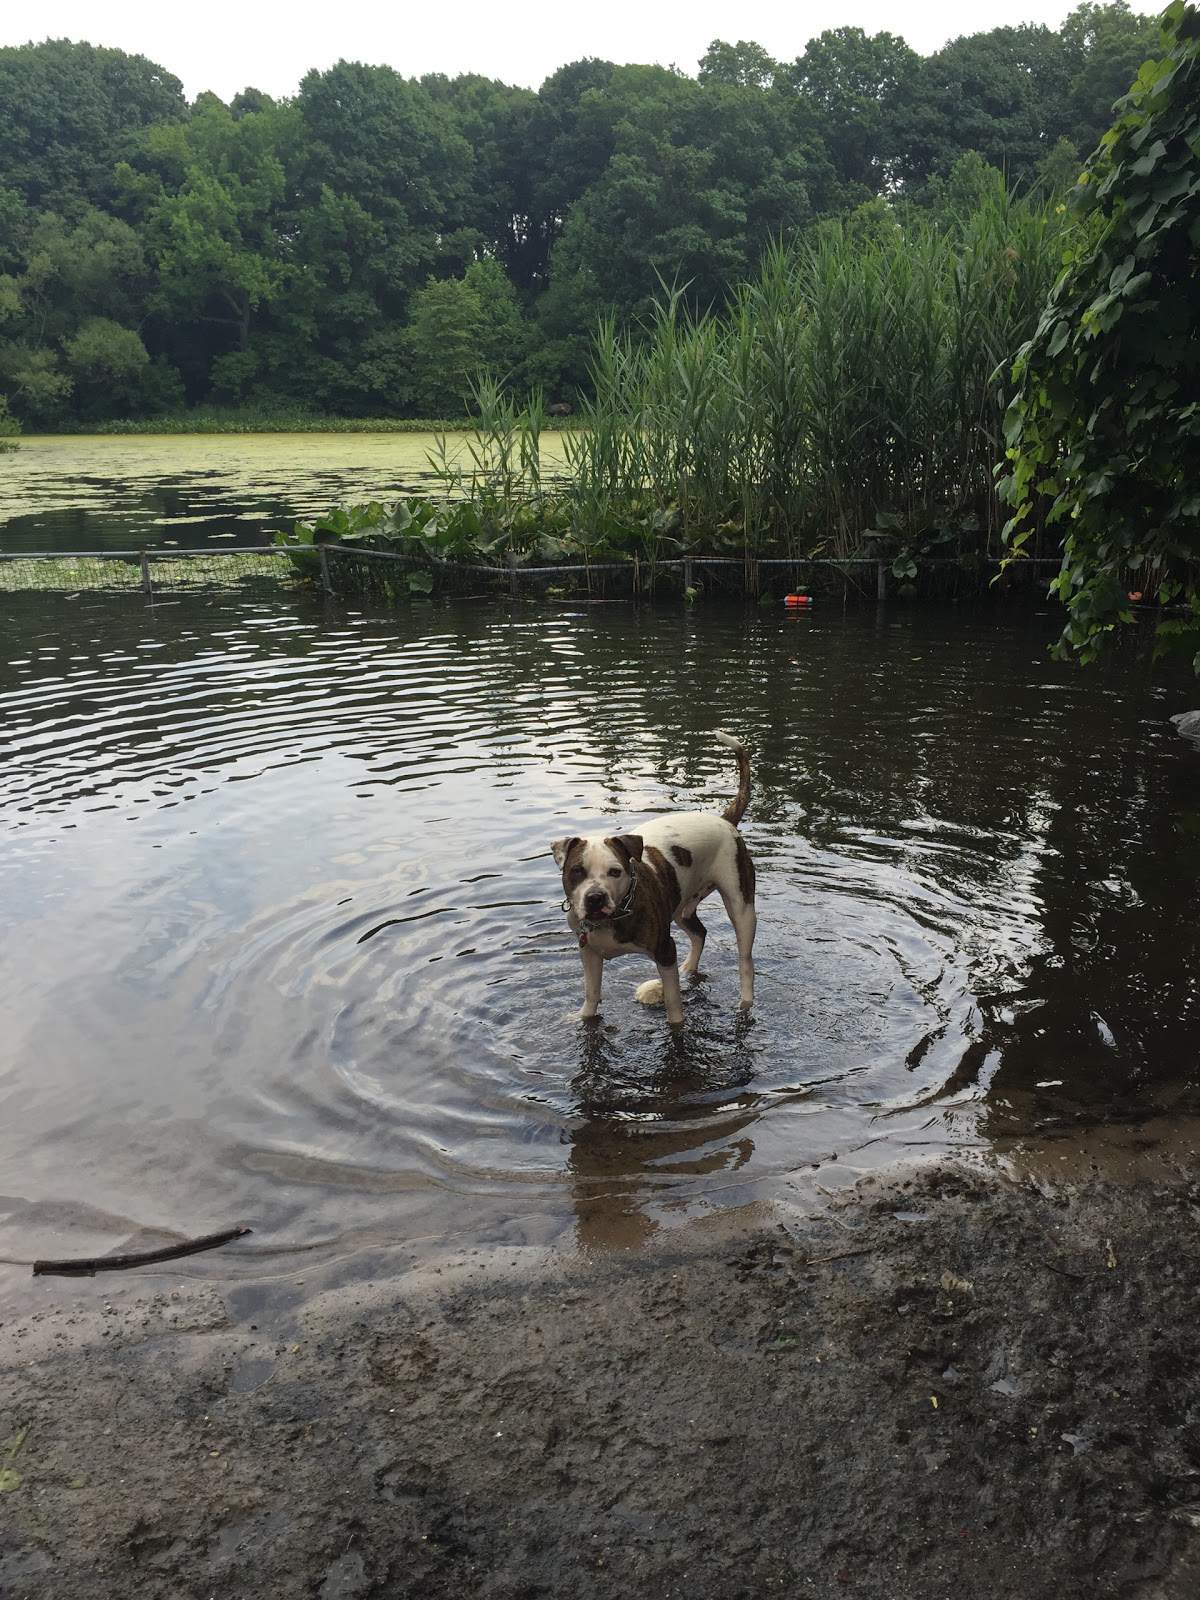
[645,1128]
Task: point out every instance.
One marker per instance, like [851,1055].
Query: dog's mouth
[596,908]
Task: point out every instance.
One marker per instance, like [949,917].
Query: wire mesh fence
[143,571]
[387,577]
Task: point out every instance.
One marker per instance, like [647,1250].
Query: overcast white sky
[226,46]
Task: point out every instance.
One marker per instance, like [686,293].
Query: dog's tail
[736,809]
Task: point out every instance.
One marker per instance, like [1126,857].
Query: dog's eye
[614,872]
[576,873]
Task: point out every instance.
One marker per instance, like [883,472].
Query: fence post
[687,575]
[145,563]
[323,557]
[513,588]
[880,581]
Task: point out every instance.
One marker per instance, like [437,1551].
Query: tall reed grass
[856,388]
[849,400]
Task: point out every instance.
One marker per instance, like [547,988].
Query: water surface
[281,939]
[118,492]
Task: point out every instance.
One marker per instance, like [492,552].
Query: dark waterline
[282,941]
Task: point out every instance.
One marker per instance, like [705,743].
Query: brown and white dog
[624,892]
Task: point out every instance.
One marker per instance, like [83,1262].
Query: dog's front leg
[593,973]
[672,995]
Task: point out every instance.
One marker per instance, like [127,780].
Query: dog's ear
[559,850]
[631,843]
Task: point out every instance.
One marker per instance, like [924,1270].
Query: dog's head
[597,872]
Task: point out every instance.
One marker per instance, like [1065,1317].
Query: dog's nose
[594,900]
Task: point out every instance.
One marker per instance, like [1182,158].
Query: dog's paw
[650,993]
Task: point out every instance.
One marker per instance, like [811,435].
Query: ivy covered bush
[1103,434]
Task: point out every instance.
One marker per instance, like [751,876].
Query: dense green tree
[1003,94]
[250,100]
[377,183]
[853,83]
[10,428]
[1058,170]
[874,224]
[33,382]
[971,181]
[66,113]
[701,178]
[1104,45]
[303,347]
[207,196]
[1104,432]
[94,268]
[291,252]
[572,136]
[10,298]
[382,140]
[460,327]
[214,262]
[106,361]
[503,210]
[92,274]
[14,225]
[744,65]
[1013,93]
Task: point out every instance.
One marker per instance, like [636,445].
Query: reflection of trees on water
[642,1133]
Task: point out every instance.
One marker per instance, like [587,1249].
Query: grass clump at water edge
[849,403]
[233,422]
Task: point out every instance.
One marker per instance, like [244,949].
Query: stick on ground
[88,1266]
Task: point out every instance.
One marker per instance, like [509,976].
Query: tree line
[367,246]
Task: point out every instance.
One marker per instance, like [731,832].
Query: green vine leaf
[1103,432]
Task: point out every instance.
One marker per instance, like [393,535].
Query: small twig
[1065,1272]
[88,1266]
[819,1261]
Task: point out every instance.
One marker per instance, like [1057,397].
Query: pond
[115,492]
[282,939]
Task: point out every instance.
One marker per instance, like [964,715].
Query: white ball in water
[650,993]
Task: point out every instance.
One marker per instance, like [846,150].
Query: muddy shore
[949,1385]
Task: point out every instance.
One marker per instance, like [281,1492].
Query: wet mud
[950,1384]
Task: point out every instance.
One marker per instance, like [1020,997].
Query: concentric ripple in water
[283,941]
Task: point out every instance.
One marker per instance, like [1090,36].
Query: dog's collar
[623,908]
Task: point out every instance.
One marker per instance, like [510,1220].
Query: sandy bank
[958,1386]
